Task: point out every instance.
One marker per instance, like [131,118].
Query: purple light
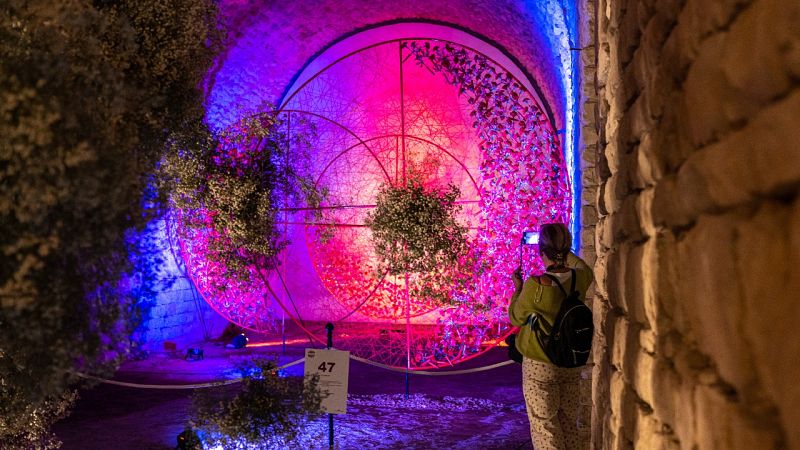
[366,113]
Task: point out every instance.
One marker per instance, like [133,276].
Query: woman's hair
[555,242]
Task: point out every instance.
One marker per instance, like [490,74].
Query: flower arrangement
[414,228]
[415,233]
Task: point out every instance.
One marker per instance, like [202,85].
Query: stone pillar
[588,138]
[698,238]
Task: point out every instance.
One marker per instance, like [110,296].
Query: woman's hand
[517,278]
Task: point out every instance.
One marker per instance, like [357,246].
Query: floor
[481,410]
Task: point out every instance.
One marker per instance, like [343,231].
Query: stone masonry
[698,238]
[179,314]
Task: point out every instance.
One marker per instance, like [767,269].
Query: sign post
[333,369]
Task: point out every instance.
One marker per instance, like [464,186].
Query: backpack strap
[560,286]
[572,282]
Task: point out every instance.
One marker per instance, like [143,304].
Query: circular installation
[383,109]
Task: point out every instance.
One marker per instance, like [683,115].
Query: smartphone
[530,237]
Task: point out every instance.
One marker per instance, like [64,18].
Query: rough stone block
[588,63]
[698,19]
[157,311]
[725,423]
[588,216]
[680,50]
[603,238]
[684,410]
[666,390]
[633,282]
[648,59]
[640,118]
[600,274]
[659,274]
[712,104]
[587,241]
[642,372]
[678,200]
[625,224]
[182,284]
[623,407]
[588,176]
[644,13]
[172,307]
[187,306]
[663,93]
[768,251]
[757,160]
[589,141]
[603,67]
[618,342]
[589,195]
[644,211]
[669,8]
[621,441]
[629,33]
[716,15]
[650,168]
[614,279]
[711,299]
[651,434]
[647,341]
[754,60]
[611,201]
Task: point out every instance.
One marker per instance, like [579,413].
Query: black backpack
[570,339]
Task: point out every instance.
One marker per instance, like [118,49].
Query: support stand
[283,332]
[408,378]
[329,327]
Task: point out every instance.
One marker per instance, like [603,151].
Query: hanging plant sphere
[414,229]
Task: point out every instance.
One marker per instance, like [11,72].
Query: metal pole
[405,181]
[329,327]
[286,220]
[408,374]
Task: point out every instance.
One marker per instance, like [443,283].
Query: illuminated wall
[275,46]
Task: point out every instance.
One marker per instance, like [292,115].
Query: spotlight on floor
[239,341]
[188,440]
[193,354]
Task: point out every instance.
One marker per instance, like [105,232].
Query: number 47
[326,367]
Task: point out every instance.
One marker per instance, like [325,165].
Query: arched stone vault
[551,40]
[689,158]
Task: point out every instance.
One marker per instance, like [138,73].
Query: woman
[551,393]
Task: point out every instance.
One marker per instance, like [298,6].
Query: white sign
[333,368]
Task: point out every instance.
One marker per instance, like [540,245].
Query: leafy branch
[232,187]
[268,408]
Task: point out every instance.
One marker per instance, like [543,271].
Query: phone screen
[530,237]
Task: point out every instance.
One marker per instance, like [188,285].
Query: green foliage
[31,429]
[88,95]
[415,229]
[234,185]
[267,409]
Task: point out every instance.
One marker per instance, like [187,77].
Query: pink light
[375,116]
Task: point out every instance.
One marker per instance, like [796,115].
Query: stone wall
[179,314]
[587,160]
[698,239]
